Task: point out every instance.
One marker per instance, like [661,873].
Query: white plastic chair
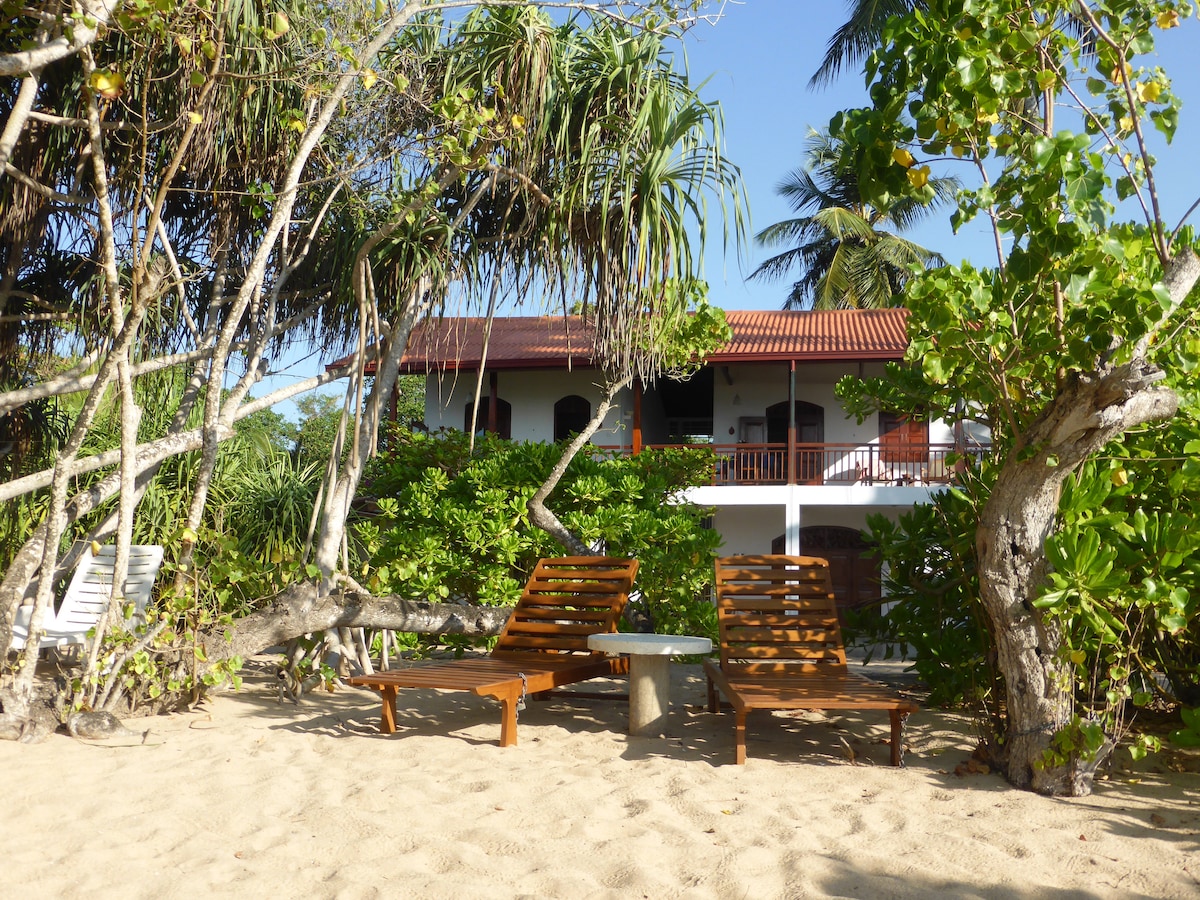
[88,595]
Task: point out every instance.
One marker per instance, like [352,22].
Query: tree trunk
[542,516]
[637,613]
[341,492]
[301,610]
[1091,410]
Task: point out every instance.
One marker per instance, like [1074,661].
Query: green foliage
[1125,584]
[1189,734]
[932,587]
[1075,293]
[161,663]
[268,506]
[1077,743]
[454,526]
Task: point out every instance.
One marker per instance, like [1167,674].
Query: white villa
[794,473]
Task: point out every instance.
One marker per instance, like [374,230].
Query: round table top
[649,644]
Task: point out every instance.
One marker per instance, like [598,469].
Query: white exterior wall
[532,395]
[752,529]
[749,518]
[756,387]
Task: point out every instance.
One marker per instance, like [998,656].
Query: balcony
[835,464]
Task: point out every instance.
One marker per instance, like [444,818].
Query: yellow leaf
[918,178]
[903,157]
[1148,91]
[1126,123]
[280,23]
[1119,74]
[958,150]
[1078,656]
[965,33]
[108,85]
[1168,19]
[518,121]
[368,79]
[195,118]
[95,548]
[1120,477]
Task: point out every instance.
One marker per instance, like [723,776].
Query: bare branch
[82,33]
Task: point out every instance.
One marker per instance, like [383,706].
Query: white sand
[251,798]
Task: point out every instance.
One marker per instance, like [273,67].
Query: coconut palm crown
[846,256]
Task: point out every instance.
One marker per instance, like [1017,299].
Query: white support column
[791,519]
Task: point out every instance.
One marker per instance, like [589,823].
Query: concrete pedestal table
[649,672]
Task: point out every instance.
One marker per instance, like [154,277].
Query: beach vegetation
[453,523]
[204,188]
[1077,349]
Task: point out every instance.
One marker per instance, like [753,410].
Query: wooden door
[853,563]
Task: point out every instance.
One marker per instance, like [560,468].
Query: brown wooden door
[853,563]
[810,429]
[903,440]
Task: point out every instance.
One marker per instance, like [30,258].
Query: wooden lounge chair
[543,644]
[88,593]
[781,646]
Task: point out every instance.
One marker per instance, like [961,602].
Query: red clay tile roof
[814,335]
[758,336]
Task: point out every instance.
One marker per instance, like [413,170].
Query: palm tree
[859,35]
[847,260]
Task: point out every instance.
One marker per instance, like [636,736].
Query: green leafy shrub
[931,584]
[452,525]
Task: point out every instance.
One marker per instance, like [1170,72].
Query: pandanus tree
[260,179]
[1081,334]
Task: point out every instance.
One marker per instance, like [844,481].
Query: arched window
[503,418]
[571,414]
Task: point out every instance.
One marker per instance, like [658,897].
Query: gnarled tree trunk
[1091,410]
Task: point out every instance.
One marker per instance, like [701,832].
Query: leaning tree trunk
[308,607]
[1091,410]
[637,612]
[540,514]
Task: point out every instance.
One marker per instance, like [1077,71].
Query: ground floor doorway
[853,562]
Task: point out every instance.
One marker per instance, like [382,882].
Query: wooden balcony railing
[837,464]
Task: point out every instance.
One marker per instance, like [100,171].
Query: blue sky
[759,59]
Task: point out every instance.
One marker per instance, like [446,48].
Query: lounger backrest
[565,600]
[87,595]
[776,615]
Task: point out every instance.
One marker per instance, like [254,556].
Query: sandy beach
[250,797]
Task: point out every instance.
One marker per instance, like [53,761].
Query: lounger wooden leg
[898,718]
[739,737]
[508,721]
[713,701]
[387,721]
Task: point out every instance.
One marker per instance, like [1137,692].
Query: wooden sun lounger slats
[781,646]
[543,645]
[554,614]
